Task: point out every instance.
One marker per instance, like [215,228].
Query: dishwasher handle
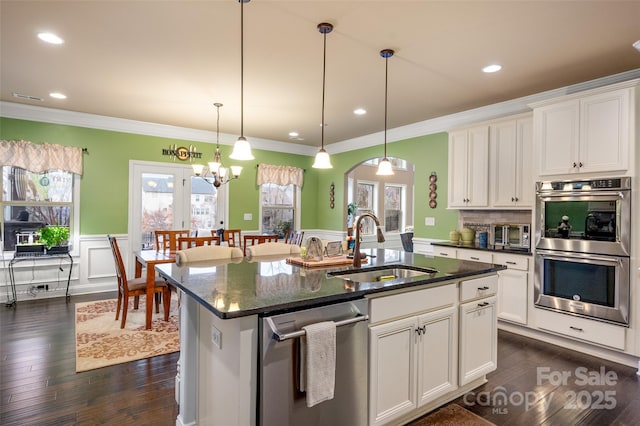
[281,337]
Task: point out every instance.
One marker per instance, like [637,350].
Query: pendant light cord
[386,82]
[324,71]
[242,68]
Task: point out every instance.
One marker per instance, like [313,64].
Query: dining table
[149,259]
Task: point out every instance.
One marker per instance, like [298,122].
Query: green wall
[104,187]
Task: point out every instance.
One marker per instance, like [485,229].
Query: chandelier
[216,173]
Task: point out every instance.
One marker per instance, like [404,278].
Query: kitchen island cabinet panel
[478,339]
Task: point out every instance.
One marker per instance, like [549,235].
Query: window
[278,205]
[31,201]
[393,207]
[366,198]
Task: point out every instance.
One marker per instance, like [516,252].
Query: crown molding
[422,128]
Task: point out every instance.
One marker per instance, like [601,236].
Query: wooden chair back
[136,287]
[188,242]
[252,240]
[167,239]
[294,237]
[232,237]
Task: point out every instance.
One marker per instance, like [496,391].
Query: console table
[36,257]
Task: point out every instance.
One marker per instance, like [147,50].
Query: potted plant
[352,208]
[54,238]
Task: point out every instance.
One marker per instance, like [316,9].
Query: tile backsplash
[481,220]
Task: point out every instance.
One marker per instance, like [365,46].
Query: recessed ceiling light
[359,111]
[492,68]
[637,45]
[50,38]
[58,95]
[293,134]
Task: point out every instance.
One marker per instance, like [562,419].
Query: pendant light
[217,174]
[384,168]
[322,160]
[241,149]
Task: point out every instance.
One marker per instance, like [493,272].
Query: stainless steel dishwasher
[280,400]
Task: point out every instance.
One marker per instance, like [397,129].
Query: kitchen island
[222,305]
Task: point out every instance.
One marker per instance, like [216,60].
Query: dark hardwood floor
[39,385]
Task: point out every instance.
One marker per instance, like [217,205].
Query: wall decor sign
[181,153]
[332,188]
[433,178]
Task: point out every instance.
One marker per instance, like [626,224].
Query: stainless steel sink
[382,275]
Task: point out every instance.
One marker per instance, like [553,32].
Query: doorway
[170,196]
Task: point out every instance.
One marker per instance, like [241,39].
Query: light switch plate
[248,216]
[216,336]
[430,221]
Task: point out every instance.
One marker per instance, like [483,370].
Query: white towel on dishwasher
[320,362]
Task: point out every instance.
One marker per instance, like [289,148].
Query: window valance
[280,175]
[40,158]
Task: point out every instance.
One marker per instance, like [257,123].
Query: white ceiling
[168,61]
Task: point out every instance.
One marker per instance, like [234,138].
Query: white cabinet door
[478,339]
[392,370]
[604,132]
[525,182]
[512,295]
[469,168]
[557,131]
[437,354]
[585,135]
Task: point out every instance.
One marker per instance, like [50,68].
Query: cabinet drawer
[475,256]
[582,328]
[479,287]
[512,261]
[411,302]
[444,251]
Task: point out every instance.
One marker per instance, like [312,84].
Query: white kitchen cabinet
[478,339]
[511,171]
[469,167]
[392,370]
[413,361]
[584,135]
[513,284]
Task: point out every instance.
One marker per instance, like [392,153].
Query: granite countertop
[490,247]
[242,287]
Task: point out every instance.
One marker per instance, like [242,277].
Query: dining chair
[188,242]
[232,237]
[252,240]
[294,237]
[167,239]
[136,287]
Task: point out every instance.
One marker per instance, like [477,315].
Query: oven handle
[281,337]
[600,194]
[573,257]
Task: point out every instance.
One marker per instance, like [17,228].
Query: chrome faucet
[357,262]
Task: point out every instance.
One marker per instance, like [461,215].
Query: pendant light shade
[384,167]
[241,149]
[322,160]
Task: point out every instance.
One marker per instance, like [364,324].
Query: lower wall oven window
[589,283]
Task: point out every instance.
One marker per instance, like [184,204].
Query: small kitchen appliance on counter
[512,235]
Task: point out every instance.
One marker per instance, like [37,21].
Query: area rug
[451,415]
[101,342]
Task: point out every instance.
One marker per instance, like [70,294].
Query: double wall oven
[583,247]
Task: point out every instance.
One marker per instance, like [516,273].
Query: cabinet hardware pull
[483,288]
[421,330]
[444,254]
[576,328]
[574,165]
[512,199]
[475,258]
[508,262]
[580,164]
[483,304]
[517,199]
